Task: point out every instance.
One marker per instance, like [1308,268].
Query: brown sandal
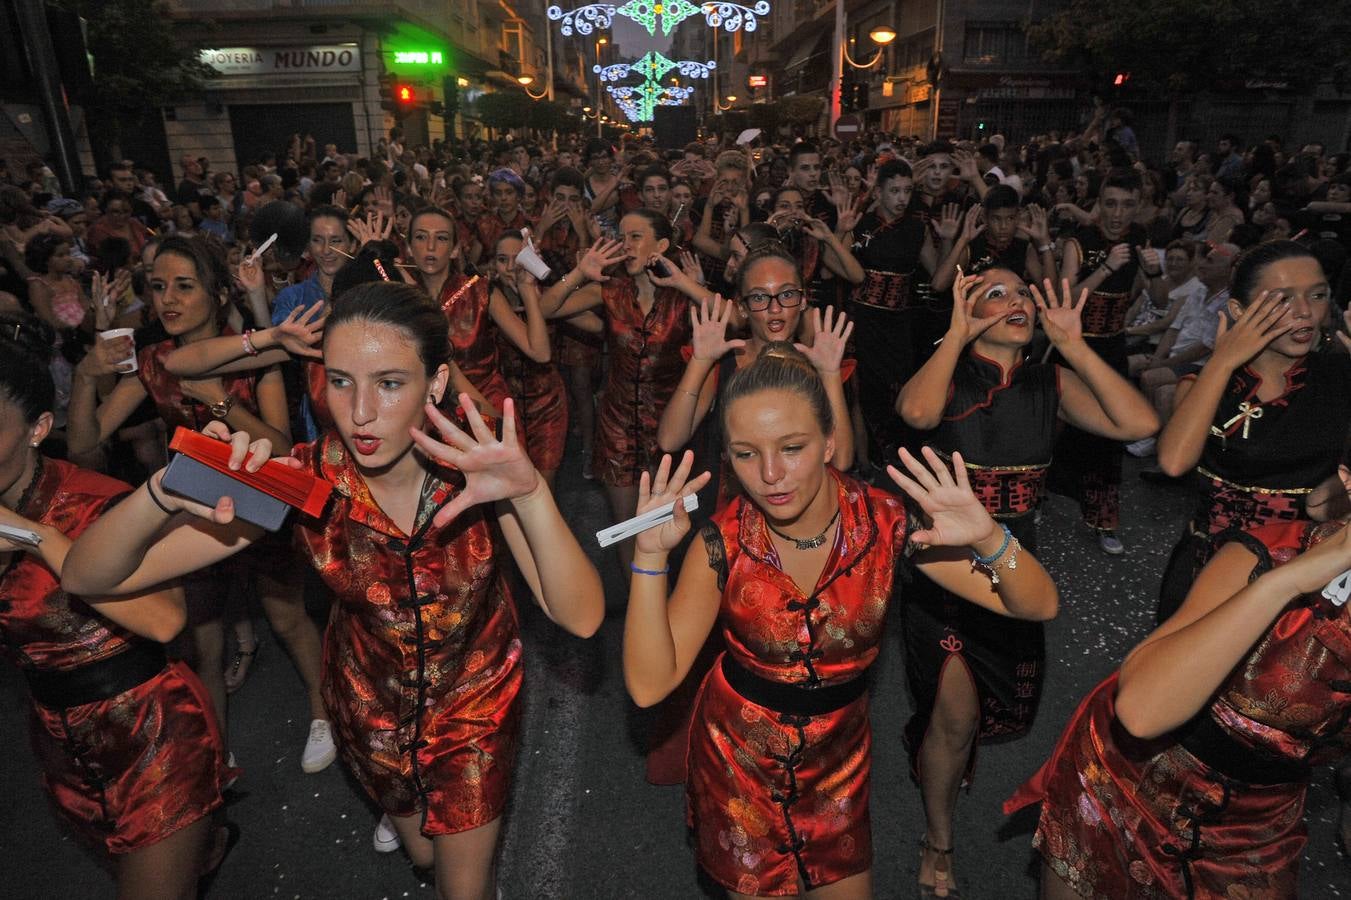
[944,886]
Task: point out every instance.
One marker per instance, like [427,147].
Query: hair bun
[27,334]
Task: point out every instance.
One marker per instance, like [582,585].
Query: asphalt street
[583,821]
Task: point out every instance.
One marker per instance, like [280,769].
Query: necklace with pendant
[810,543]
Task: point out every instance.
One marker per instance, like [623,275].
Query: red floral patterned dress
[167,394]
[775,796]
[490,227]
[464,301]
[422,654]
[572,346]
[645,367]
[541,403]
[1216,808]
[126,771]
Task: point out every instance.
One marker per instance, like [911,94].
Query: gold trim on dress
[947,457]
[1249,488]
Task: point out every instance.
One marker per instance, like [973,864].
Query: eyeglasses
[786,299]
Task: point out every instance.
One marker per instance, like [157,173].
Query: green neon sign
[419,58]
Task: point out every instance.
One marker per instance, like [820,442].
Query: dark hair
[327,211]
[1000,196]
[567,177]
[787,188]
[895,168]
[597,145]
[362,268]
[435,211]
[1250,265]
[779,367]
[1187,247]
[111,197]
[653,172]
[511,233]
[25,352]
[1122,180]
[38,252]
[990,152]
[397,305]
[803,149]
[661,226]
[753,234]
[772,249]
[935,148]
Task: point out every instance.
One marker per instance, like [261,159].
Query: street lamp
[881,36]
[600,42]
[525,81]
[731,101]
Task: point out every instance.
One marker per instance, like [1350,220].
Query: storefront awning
[808,50]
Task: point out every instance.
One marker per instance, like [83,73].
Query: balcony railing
[430,10]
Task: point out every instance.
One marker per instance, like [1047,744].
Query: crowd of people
[870,360]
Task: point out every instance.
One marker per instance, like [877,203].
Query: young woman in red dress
[422,662]
[1184,773]
[799,571]
[131,756]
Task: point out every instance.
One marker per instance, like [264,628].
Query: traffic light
[405,95]
[397,97]
[1121,79]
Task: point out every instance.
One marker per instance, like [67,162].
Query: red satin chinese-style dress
[464,301]
[779,789]
[125,769]
[573,347]
[645,367]
[541,403]
[422,654]
[490,227]
[1214,809]
[166,391]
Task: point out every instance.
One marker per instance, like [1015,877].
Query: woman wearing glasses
[646,325]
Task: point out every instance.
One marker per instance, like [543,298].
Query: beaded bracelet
[993,557]
[637,571]
[991,564]
[247,341]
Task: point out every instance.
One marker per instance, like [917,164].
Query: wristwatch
[222,409]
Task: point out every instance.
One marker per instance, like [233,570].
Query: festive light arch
[654,66]
[659,14]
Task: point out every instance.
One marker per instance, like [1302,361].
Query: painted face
[1116,210]
[778,320]
[431,243]
[806,172]
[893,195]
[377,387]
[181,301]
[328,243]
[1302,284]
[640,243]
[506,201]
[1002,292]
[778,451]
[656,194]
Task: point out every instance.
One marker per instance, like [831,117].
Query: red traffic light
[405,93]
[1121,78]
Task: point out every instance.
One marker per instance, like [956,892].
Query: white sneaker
[1111,544]
[320,751]
[1142,448]
[385,839]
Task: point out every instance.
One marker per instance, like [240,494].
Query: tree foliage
[503,109]
[548,115]
[1178,47]
[801,109]
[766,117]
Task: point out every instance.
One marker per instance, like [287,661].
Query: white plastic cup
[530,260]
[130,364]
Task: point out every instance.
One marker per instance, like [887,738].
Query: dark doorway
[267,128]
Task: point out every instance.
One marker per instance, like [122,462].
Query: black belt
[1212,745]
[62,689]
[791,699]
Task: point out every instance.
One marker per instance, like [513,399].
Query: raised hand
[1061,316]
[946,225]
[250,274]
[376,227]
[245,453]
[972,224]
[816,228]
[663,488]
[1149,261]
[384,202]
[101,301]
[965,161]
[839,193]
[1038,227]
[956,517]
[601,255]
[103,358]
[710,320]
[870,177]
[1261,323]
[302,332]
[1118,256]
[963,326]
[1345,334]
[689,264]
[848,219]
[494,469]
[831,336]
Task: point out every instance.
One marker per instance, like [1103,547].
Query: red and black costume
[1088,467]
[645,367]
[573,347]
[1262,460]
[464,301]
[982,255]
[490,228]
[1004,425]
[886,340]
[128,742]
[780,749]
[541,403]
[422,655]
[166,391]
[1214,809]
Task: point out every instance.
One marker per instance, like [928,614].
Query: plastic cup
[530,260]
[130,364]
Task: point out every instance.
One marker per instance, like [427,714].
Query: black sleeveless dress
[1004,426]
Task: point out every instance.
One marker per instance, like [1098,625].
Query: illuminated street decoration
[643,98]
[653,66]
[583,19]
[666,14]
[735,16]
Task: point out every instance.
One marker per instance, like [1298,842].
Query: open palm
[957,518]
